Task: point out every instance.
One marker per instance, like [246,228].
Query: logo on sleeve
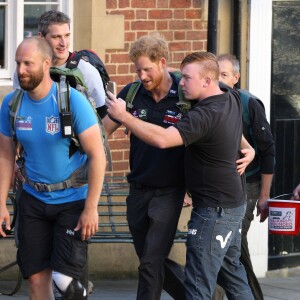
[52,125]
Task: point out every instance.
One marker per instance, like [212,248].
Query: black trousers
[153,215]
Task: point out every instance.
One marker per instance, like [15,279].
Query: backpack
[91,57]
[184,104]
[64,78]
[245,96]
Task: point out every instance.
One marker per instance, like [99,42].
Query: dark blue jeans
[253,190]
[153,215]
[213,253]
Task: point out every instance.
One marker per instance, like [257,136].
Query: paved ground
[276,288]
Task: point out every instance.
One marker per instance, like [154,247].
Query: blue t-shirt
[38,129]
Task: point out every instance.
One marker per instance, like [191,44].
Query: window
[18,20]
[32,11]
[3,14]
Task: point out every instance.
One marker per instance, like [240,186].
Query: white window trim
[4,73]
[14,32]
[260,48]
[260,51]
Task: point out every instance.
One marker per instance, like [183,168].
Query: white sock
[62,281]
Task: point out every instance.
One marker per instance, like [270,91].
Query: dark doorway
[284,250]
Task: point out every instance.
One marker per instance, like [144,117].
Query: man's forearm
[7,161]
[152,134]
[245,144]
[96,174]
[266,183]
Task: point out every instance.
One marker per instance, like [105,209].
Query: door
[284,250]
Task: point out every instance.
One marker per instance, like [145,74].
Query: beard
[32,80]
[154,83]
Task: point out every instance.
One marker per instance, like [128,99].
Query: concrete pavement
[274,288]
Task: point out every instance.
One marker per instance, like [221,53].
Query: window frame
[14,31]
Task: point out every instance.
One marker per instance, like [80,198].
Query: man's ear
[40,34]
[163,62]
[236,78]
[207,82]
[47,63]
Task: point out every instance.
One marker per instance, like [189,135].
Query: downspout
[237,28]
[212,30]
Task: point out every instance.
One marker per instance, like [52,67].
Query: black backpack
[91,57]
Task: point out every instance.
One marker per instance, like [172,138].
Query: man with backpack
[55,222]
[259,173]
[54,27]
[156,178]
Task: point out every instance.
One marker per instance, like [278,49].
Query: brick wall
[180,22]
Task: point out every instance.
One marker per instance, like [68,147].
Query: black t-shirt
[212,133]
[149,165]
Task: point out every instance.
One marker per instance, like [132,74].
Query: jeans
[213,252]
[153,215]
[253,190]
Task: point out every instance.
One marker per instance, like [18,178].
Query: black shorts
[47,238]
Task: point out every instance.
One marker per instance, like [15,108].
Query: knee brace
[67,288]
[75,291]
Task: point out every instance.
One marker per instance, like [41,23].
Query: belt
[217,209]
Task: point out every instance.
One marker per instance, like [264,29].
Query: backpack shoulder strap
[14,105]
[184,104]
[132,93]
[245,96]
[72,61]
[63,91]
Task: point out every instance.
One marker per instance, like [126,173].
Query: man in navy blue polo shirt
[156,177]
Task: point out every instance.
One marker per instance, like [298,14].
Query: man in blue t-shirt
[57,223]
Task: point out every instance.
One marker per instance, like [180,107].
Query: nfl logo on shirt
[52,125]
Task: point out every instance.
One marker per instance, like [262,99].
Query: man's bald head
[40,45]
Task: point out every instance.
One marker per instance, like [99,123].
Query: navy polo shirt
[151,166]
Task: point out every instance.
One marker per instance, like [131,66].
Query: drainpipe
[212,31]
[237,28]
